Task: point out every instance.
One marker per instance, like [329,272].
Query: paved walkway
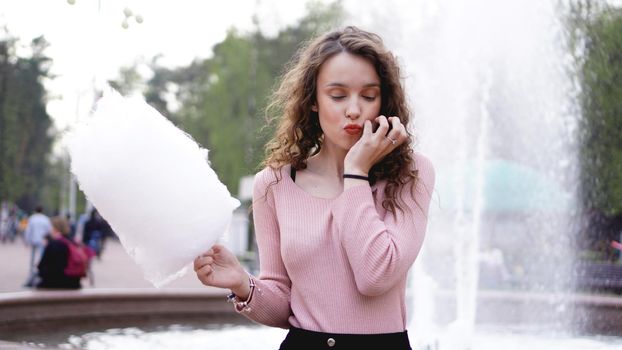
[115,269]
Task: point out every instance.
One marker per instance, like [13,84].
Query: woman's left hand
[373,146]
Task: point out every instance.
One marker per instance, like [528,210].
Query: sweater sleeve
[381,251]
[270,304]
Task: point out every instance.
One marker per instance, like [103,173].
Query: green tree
[221,99]
[129,80]
[25,137]
[602,111]
[225,108]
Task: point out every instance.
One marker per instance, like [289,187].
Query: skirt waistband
[303,339]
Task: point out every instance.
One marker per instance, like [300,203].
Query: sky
[89,44]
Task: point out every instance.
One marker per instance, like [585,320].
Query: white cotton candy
[152,183]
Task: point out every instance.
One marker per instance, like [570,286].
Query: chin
[347,146]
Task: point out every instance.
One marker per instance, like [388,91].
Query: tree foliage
[602,112]
[221,100]
[25,136]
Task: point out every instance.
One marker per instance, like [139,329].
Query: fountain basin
[581,313]
[44,317]
[49,317]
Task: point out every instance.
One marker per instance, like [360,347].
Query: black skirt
[302,339]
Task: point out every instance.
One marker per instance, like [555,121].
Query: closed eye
[369,98]
[338,97]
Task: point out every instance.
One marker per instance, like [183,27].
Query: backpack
[77,259]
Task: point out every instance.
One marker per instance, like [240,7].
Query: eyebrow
[345,85]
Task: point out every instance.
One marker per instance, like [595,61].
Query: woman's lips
[352,129]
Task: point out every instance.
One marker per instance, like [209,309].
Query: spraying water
[494,98]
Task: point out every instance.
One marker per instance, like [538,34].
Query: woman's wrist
[354,176]
[352,170]
[242,290]
[242,302]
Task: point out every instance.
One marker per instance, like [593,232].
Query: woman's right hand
[373,146]
[218,267]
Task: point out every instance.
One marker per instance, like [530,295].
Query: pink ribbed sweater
[335,265]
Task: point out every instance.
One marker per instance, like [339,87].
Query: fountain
[495,101]
[495,94]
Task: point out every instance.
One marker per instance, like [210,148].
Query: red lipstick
[353,129]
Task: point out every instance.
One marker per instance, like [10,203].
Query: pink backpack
[77,259]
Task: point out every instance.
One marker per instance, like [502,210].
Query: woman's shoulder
[57,246]
[423,164]
[270,176]
[425,170]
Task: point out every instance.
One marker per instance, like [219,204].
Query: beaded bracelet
[242,305]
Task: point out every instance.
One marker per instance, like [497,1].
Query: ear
[314,107]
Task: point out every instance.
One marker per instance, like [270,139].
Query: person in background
[13,223]
[72,226]
[38,227]
[80,223]
[21,227]
[95,232]
[55,258]
[8,222]
[4,221]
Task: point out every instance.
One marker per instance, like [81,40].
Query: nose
[353,110]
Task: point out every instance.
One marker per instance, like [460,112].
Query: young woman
[55,258]
[340,210]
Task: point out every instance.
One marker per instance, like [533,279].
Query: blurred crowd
[61,247]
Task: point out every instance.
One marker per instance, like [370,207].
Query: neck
[329,161]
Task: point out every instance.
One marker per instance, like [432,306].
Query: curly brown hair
[299,135]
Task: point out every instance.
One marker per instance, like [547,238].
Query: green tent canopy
[506,186]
